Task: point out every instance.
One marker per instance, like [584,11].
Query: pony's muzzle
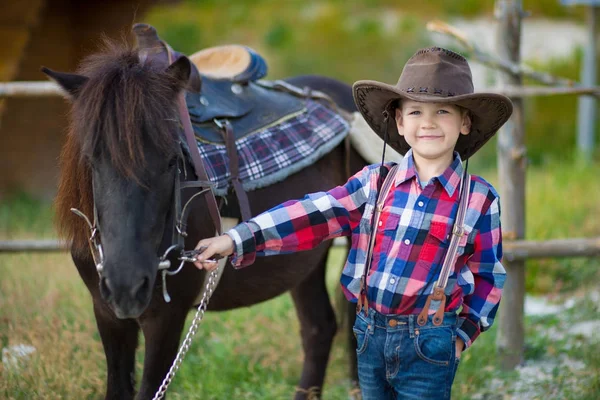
[128,301]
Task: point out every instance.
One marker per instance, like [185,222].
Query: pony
[119,164]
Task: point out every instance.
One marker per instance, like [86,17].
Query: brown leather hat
[433,75]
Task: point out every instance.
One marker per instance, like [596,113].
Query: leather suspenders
[450,257]
[458,230]
[385,190]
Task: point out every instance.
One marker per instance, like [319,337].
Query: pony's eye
[172,164]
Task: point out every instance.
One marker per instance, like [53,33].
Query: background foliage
[372,39]
[44,303]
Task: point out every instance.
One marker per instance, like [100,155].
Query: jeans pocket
[361,333]
[434,345]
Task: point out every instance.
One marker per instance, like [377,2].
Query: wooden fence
[511,168]
[514,250]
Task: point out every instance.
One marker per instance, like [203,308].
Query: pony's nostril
[141,290]
[105,288]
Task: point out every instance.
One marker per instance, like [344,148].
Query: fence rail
[513,249]
[26,246]
[30,89]
[51,89]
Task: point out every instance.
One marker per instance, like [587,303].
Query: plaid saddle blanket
[275,152]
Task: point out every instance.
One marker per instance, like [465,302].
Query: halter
[179,227]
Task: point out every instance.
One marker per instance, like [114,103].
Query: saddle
[232,62]
[231,91]
[226,100]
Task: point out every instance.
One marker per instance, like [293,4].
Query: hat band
[429,90]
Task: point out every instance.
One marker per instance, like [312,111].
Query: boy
[405,351]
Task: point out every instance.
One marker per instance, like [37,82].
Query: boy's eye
[414,113]
[442,111]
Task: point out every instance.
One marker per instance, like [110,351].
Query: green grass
[22,216]
[255,353]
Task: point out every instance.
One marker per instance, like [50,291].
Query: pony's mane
[123,107]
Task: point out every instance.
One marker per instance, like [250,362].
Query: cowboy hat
[433,75]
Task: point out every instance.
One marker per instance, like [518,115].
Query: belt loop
[411,326]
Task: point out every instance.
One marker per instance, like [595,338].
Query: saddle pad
[272,154]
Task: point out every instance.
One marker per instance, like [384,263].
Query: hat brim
[489,111]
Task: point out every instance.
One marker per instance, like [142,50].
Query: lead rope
[185,346]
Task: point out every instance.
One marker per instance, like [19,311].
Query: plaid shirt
[412,237]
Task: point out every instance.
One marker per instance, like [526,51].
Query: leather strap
[381,197]
[458,231]
[201,174]
[234,166]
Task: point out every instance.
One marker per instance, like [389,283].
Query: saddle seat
[232,62]
[231,90]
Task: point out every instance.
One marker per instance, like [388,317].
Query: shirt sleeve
[479,308]
[299,225]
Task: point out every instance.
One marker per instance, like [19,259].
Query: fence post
[512,160]
[586,117]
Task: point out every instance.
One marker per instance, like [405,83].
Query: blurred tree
[364,39]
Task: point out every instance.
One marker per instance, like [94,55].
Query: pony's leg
[120,340]
[162,333]
[317,328]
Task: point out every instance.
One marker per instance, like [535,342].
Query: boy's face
[432,129]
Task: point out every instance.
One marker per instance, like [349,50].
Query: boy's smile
[432,129]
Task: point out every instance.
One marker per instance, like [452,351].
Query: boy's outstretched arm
[295,225]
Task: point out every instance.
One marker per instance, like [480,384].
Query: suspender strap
[382,195]
[450,260]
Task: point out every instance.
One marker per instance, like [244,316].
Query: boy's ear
[399,124]
[465,127]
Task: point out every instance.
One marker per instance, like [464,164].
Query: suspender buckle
[458,230]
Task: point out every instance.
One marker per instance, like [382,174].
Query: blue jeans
[398,359]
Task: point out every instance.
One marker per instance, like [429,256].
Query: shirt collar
[449,179]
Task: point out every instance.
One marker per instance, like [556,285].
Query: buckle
[458,231]
[219,123]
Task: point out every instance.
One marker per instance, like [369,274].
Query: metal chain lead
[185,346]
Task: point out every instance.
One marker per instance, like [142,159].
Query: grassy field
[255,353]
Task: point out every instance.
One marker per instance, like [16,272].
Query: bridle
[180,211]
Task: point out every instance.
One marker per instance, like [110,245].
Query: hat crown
[438,72]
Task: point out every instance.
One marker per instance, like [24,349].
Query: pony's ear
[185,72]
[71,83]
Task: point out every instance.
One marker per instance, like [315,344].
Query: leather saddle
[225,100]
[231,62]
[231,91]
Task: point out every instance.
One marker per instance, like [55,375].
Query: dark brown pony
[121,154]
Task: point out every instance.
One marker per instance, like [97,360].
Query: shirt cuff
[468,331]
[244,252]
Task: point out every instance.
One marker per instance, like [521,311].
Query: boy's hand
[460,345]
[221,245]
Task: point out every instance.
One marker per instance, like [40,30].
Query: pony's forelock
[123,107]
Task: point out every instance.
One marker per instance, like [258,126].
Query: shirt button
[392,281]
[406,241]
[380,223]
[420,204]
